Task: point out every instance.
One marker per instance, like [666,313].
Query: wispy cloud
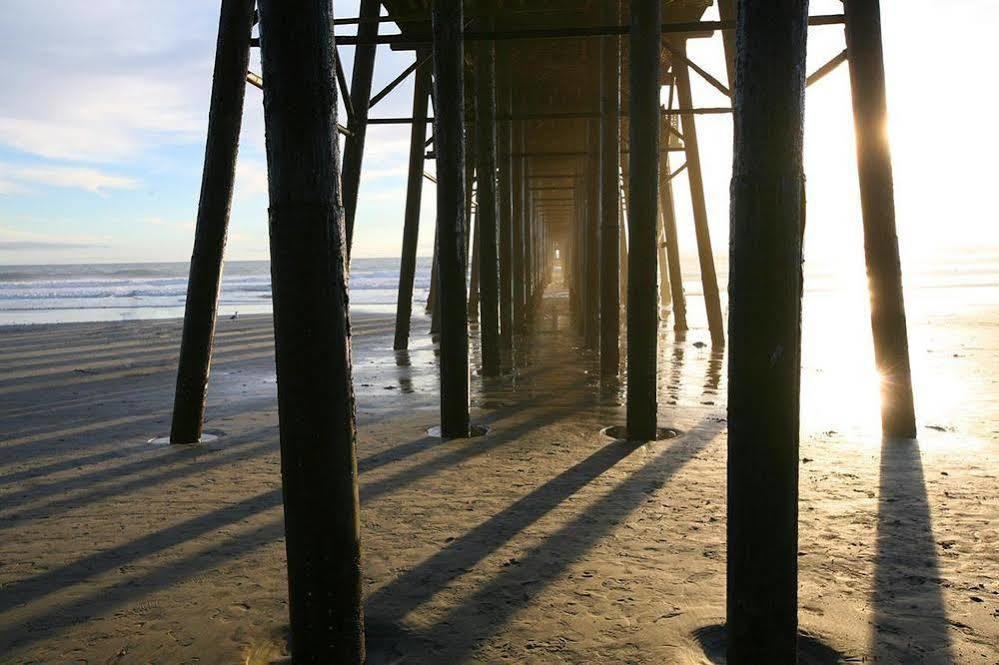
[18,179]
[31,245]
[70,96]
[12,240]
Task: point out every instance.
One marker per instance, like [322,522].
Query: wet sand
[542,542]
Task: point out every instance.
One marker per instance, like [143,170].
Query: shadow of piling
[910,616]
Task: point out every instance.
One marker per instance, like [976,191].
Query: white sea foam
[34,294]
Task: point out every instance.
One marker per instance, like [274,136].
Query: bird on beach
[234,316]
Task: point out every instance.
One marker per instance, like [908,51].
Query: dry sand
[542,542]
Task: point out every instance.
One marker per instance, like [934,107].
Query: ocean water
[123,291]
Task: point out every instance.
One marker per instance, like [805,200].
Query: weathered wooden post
[610,206]
[414,196]
[473,286]
[519,204]
[529,243]
[623,241]
[487,209]
[469,186]
[449,120]
[767,222]
[471,239]
[728,11]
[643,208]
[668,214]
[432,291]
[360,97]
[311,333]
[705,254]
[504,136]
[884,272]
[665,297]
[232,57]
[433,304]
[591,219]
[583,265]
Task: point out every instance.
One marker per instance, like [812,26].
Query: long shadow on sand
[42,625]
[910,617]
[457,634]
[33,588]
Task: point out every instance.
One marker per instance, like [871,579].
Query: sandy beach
[541,542]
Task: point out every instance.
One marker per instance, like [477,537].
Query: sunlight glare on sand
[839,380]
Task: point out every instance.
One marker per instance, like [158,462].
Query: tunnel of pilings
[557,128]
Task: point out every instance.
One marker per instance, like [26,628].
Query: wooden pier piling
[225,117]
[449,119]
[519,215]
[610,205]
[360,99]
[705,254]
[414,198]
[643,208]
[529,215]
[312,334]
[487,207]
[668,214]
[504,154]
[473,280]
[884,272]
[765,286]
[590,217]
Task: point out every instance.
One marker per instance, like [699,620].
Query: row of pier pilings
[624,174]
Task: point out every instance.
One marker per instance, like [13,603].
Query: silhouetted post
[473,287]
[433,303]
[668,211]
[232,57]
[414,196]
[610,206]
[529,243]
[583,292]
[449,119]
[877,197]
[591,220]
[709,280]
[360,97]
[432,291]
[487,209]
[664,294]
[593,216]
[504,136]
[643,208]
[519,200]
[727,11]
[623,241]
[312,333]
[469,180]
[768,217]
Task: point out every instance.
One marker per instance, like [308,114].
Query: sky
[104,105]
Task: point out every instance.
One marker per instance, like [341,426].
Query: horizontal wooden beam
[569,115]
[414,40]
